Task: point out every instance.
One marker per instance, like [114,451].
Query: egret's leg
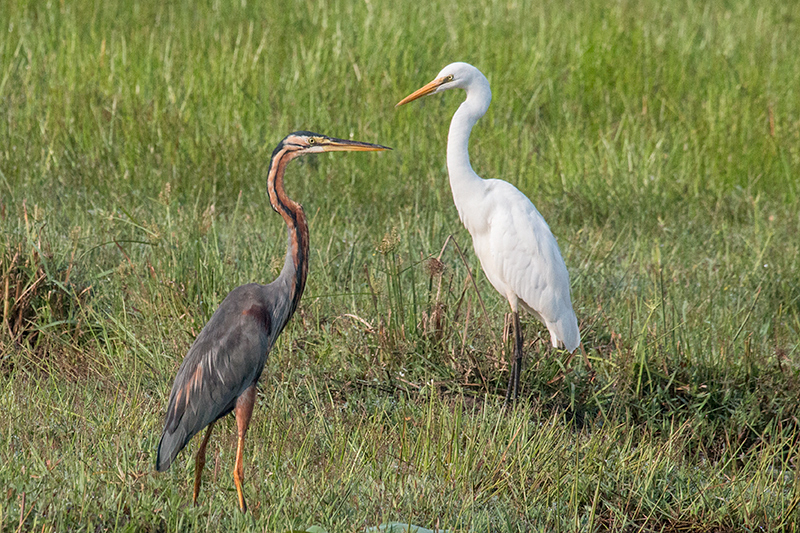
[516,369]
[510,379]
[200,462]
[506,330]
[517,353]
[243,410]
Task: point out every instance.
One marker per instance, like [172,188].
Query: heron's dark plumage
[240,327]
[229,354]
[221,369]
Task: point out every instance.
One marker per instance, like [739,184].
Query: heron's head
[453,76]
[306,142]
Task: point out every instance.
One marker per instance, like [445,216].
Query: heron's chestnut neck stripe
[293,215]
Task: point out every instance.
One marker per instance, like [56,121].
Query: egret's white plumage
[517,250]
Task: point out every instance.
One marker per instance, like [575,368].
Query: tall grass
[659,139]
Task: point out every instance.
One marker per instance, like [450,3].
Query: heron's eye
[312,140]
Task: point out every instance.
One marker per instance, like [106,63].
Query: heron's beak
[343,145]
[422,91]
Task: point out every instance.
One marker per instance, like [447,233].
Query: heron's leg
[243,410]
[200,462]
[516,369]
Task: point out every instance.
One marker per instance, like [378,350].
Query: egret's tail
[565,332]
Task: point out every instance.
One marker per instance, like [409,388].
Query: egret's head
[453,76]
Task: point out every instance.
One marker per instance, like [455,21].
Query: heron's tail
[168,448]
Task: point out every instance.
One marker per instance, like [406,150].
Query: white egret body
[517,250]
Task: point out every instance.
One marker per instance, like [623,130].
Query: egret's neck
[479,95]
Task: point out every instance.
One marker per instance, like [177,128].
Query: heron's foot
[238,474]
[200,462]
[238,479]
[242,503]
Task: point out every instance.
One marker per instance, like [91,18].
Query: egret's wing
[527,257]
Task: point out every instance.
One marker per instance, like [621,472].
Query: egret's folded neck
[469,112]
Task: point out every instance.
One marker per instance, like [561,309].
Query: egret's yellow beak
[422,91]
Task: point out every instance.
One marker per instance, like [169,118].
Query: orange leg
[200,462]
[243,410]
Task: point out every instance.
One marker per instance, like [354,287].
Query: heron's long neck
[295,267]
[479,95]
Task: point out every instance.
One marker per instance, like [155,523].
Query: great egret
[221,369]
[517,250]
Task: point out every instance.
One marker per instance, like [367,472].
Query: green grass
[661,141]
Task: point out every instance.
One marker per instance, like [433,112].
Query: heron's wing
[225,359]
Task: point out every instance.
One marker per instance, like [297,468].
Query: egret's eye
[448,78]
